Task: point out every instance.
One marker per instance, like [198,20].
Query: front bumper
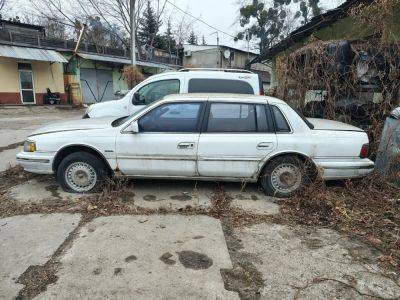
[36,162]
[345,169]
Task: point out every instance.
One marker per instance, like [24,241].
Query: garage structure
[100,76]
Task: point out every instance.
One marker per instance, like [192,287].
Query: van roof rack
[216,70]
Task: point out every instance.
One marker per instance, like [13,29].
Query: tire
[283,177]
[81,172]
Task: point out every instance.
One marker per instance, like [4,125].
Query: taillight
[364,151]
[260,82]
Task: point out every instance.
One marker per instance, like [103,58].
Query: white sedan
[201,137]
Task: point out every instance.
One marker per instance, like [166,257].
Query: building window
[26,83]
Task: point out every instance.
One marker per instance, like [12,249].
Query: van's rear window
[200,85]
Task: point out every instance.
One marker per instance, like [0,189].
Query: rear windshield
[308,123]
[201,85]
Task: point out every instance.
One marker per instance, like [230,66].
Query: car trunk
[323,124]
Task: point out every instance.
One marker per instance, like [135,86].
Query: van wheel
[283,177]
[81,172]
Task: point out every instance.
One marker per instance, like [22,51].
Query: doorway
[26,83]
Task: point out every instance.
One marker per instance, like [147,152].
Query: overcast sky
[221,14]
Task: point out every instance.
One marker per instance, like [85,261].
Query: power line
[200,20]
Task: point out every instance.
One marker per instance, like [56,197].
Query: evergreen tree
[149,26]
[192,38]
[203,41]
[169,39]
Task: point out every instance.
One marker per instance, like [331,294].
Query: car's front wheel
[81,172]
[283,177]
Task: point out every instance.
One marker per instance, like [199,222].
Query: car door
[154,91]
[235,139]
[166,144]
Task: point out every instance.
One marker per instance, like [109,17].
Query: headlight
[29,146]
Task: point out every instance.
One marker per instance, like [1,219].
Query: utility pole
[219,52]
[133,30]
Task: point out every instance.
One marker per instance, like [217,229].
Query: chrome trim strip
[182,177]
[236,159]
[33,160]
[150,157]
[189,158]
[65,130]
[368,167]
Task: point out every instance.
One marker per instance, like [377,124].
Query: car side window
[281,125]
[157,90]
[172,117]
[264,120]
[204,85]
[232,117]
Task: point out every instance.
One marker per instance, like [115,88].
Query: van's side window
[203,85]
[157,90]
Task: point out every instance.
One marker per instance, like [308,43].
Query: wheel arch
[67,150]
[302,156]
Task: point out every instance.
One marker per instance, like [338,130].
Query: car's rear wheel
[283,176]
[81,172]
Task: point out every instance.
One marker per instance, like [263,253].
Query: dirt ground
[165,239]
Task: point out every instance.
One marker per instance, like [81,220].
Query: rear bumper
[39,163]
[351,168]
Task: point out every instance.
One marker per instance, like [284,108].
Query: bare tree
[2,4]
[114,16]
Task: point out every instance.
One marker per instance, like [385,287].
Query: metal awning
[123,61]
[31,54]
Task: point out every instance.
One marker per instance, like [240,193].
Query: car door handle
[265,146]
[186,145]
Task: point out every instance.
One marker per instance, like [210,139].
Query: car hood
[323,124]
[74,125]
[114,108]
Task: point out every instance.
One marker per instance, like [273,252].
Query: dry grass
[368,209]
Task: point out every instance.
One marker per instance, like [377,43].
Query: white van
[184,81]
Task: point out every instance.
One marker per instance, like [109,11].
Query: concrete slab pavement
[40,189]
[307,263]
[27,241]
[145,257]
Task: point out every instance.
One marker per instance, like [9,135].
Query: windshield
[122,120]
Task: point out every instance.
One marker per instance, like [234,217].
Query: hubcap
[81,177]
[286,178]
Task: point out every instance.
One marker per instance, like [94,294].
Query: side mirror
[136,99]
[134,127]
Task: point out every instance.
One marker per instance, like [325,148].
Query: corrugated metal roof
[321,21]
[122,60]
[31,54]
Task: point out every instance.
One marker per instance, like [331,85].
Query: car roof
[216,73]
[223,97]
